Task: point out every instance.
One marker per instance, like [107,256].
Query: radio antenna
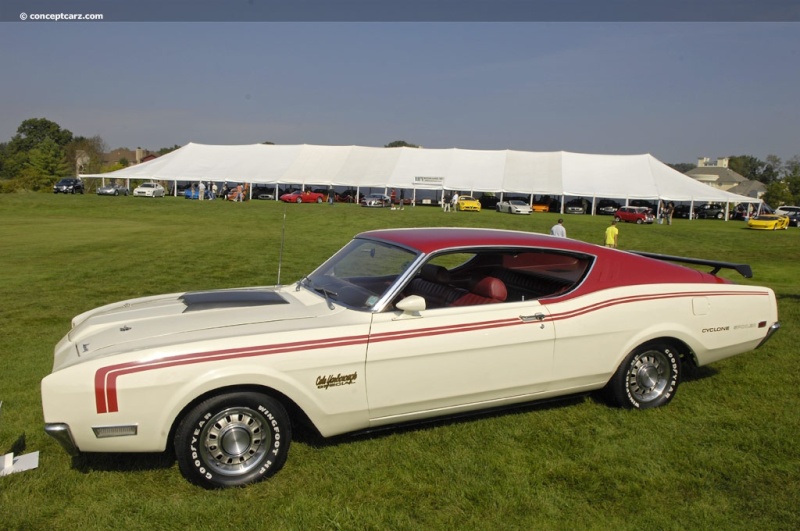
[280,254]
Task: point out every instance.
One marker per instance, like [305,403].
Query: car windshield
[359,274]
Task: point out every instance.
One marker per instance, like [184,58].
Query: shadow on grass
[305,434]
[18,446]
[127,462]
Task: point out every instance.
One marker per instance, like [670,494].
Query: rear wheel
[617,219]
[233,440]
[647,378]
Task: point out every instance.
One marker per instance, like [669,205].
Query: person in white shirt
[559,230]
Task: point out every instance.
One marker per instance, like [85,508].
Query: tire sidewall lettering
[271,442]
[672,384]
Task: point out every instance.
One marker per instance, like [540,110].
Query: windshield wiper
[306,281]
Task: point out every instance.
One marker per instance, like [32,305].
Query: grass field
[723,455]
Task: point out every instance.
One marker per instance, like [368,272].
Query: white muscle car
[400,325]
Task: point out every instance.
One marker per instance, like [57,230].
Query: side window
[494,276]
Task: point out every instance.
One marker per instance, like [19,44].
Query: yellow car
[468,203]
[768,222]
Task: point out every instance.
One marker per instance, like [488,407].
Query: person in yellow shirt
[612,234]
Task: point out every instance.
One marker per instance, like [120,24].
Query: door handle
[532,318]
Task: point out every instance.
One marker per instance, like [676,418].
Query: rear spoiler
[742,269]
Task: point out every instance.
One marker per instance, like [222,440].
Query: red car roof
[612,267]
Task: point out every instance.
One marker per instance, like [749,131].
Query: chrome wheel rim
[648,375]
[234,441]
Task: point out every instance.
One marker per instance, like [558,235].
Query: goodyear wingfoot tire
[233,440]
[647,378]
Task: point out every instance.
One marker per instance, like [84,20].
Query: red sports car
[632,214]
[303,197]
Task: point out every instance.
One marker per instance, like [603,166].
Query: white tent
[502,171]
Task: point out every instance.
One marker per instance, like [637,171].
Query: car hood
[165,320]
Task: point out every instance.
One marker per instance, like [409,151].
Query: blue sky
[677,90]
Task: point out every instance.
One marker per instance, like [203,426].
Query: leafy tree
[46,164]
[124,162]
[165,150]
[34,131]
[682,167]
[400,143]
[778,194]
[745,165]
[792,167]
[86,154]
[111,167]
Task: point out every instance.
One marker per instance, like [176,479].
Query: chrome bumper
[772,329]
[60,432]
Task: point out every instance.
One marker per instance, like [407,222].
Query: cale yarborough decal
[323,382]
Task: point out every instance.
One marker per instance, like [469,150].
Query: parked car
[607,207]
[233,192]
[490,201]
[399,325]
[540,207]
[786,210]
[631,214]
[68,186]
[194,193]
[376,200]
[112,189]
[149,190]
[794,219]
[711,211]
[305,196]
[263,193]
[514,207]
[575,206]
[684,211]
[467,203]
[768,222]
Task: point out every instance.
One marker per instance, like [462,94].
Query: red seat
[488,290]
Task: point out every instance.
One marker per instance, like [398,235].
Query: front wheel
[233,440]
[720,215]
[639,221]
[647,378]
[299,200]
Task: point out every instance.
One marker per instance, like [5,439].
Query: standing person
[446,202]
[558,229]
[201,190]
[612,234]
[213,190]
[225,191]
[454,201]
[239,195]
[669,212]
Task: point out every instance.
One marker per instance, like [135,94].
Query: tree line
[41,152]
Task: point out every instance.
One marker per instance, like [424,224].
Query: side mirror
[411,305]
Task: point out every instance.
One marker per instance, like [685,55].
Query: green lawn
[723,455]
